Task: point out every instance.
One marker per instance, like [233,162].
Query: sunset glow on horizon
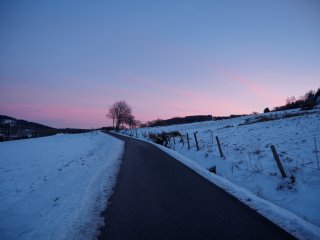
[63,63]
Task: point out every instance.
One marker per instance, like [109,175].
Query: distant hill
[22,123]
[12,129]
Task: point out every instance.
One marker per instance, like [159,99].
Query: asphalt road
[157,197]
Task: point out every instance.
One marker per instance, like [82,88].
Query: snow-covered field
[55,187]
[248,161]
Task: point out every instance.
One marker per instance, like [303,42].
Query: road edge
[285,219]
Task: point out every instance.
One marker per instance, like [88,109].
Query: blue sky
[63,63]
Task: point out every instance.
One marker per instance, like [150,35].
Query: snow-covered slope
[249,162]
[55,187]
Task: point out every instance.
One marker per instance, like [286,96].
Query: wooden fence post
[188,141]
[195,138]
[276,157]
[220,150]
[211,136]
[181,138]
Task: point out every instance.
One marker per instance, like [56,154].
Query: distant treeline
[178,120]
[305,102]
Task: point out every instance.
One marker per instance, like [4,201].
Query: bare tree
[112,115]
[131,121]
[120,112]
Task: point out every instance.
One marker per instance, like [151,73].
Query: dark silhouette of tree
[266,110]
[305,102]
[112,115]
[310,95]
[131,121]
[120,113]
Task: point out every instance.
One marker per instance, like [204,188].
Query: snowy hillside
[248,160]
[55,187]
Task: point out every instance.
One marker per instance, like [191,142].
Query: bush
[164,137]
[308,105]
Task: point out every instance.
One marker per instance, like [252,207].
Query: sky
[64,63]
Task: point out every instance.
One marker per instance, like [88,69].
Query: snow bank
[55,187]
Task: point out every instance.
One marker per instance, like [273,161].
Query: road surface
[157,197]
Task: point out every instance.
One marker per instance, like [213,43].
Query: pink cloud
[86,107]
[153,99]
[58,115]
[178,97]
[261,91]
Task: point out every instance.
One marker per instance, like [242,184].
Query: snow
[292,203]
[56,187]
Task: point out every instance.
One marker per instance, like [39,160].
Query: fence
[267,161]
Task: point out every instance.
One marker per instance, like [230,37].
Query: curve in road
[157,197]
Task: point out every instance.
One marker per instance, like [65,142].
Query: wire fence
[240,158]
